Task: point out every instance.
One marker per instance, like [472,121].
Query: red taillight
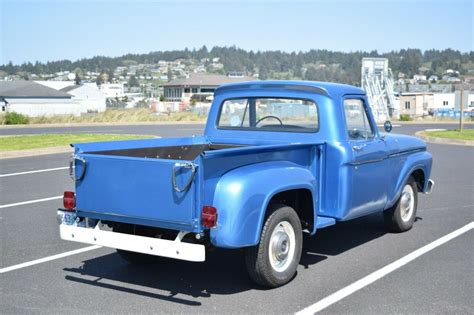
[69,200]
[209,216]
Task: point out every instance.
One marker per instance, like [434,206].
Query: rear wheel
[401,216]
[274,260]
[133,258]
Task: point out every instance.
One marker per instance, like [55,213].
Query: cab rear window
[269,114]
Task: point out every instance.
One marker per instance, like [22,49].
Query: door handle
[359,147]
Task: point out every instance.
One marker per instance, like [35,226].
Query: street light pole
[461,107]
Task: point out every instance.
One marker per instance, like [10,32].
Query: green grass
[27,142]
[113,116]
[119,115]
[467,134]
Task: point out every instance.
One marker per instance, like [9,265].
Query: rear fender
[243,194]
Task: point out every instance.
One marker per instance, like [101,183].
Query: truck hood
[397,143]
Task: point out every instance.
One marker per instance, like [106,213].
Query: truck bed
[181,152]
[140,181]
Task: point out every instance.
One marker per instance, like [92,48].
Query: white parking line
[33,172]
[376,275]
[49,258]
[29,201]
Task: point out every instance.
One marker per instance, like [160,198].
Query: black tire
[258,258]
[132,258]
[396,218]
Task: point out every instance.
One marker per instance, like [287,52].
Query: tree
[103,77]
[110,76]
[132,81]
[263,73]
[311,74]
[77,80]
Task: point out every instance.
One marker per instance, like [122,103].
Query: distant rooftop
[70,88]
[28,89]
[206,80]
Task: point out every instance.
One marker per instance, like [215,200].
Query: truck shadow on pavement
[223,273]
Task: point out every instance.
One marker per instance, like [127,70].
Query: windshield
[269,114]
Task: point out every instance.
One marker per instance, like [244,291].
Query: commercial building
[198,86]
[443,101]
[416,104]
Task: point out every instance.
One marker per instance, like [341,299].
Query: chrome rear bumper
[134,243]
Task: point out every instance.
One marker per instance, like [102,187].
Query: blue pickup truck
[277,159]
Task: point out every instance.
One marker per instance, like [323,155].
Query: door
[368,162]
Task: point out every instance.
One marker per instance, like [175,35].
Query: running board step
[322,222]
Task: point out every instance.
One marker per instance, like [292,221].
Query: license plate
[68,218]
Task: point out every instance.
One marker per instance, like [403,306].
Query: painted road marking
[376,275]
[29,201]
[392,125]
[33,172]
[49,258]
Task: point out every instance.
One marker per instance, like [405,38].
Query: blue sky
[53,30]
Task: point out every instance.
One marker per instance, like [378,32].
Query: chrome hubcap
[407,203]
[282,246]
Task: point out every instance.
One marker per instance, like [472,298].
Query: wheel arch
[243,209]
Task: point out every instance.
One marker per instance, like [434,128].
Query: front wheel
[274,260]
[401,216]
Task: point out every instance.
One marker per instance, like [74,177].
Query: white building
[33,99]
[419,77]
[112,90]
[90,98]
[470,101]
[443,100]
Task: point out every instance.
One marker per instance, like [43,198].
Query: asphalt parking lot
[98,280]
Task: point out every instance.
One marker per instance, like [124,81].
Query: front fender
[242,196]
[417,161]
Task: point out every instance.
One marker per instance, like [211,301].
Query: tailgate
[136,190]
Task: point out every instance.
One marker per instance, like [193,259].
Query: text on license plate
[68,218]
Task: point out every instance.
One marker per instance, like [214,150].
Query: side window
[358,126]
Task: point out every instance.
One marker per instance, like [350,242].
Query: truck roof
[325,88]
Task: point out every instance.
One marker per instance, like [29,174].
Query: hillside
[317,64]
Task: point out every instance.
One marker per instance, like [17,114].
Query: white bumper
[140,244]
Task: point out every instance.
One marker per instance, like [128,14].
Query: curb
[438,140]
[100,124]
[34,152]
[41,151]
[430,122]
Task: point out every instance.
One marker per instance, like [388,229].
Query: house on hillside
[199,86]
[32,99]
[90,98]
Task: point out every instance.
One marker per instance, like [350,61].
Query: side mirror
[387,126]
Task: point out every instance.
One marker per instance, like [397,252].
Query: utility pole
[461,107]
